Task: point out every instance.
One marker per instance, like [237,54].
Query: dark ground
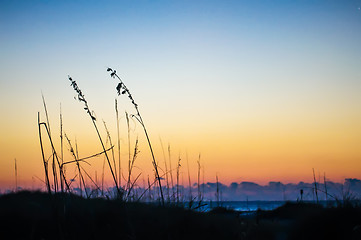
[35,215]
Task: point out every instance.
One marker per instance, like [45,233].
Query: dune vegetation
[38,215]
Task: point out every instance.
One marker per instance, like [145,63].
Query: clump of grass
[347,199]
[130,186]
[81,98]
[54,154]
[121,90]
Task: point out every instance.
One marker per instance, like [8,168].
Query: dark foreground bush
[36,215]
[312,221]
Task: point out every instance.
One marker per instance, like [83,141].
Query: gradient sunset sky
[263,90]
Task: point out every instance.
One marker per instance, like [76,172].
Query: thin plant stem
[16,176]
[132,185]
[55,179]
[103,177]
[203,185]
[91,179]
[128,130]
[217,191]
[324,182]
[171,171]
[315,183]
[106,156]
[166,169]
[199,176]
[148,188]
[83,159]
[61,149]
[43,156]
[111,144]
[189,180]
[178,168]
[118,142]
[131,166]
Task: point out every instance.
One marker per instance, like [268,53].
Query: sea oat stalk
[122,89]
[81,98]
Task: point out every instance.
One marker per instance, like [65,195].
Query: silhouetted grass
[91,114]
[122,89]
[36,215]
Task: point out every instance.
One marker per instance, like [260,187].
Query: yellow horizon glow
[268,151]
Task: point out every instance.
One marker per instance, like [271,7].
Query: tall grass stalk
[178,168]
[111,144]
[315,183]
[122,89]
[171,171]
[131,165]
[118,143]
[166,169]
[96,178]
[61,173]
[81,98]
[91,179]
[189,181]
[131,186]
[217,191]
[61,149]
[149,190]
[199,178]
[43,156]
[325,185]
[76,148]
[203,185]
[128,131]
[16,176]
[55,179]
[103,177]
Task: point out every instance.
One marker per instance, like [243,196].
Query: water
[252,206]
[247,205]
[242,206]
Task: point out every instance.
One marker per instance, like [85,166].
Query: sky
[262,90]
